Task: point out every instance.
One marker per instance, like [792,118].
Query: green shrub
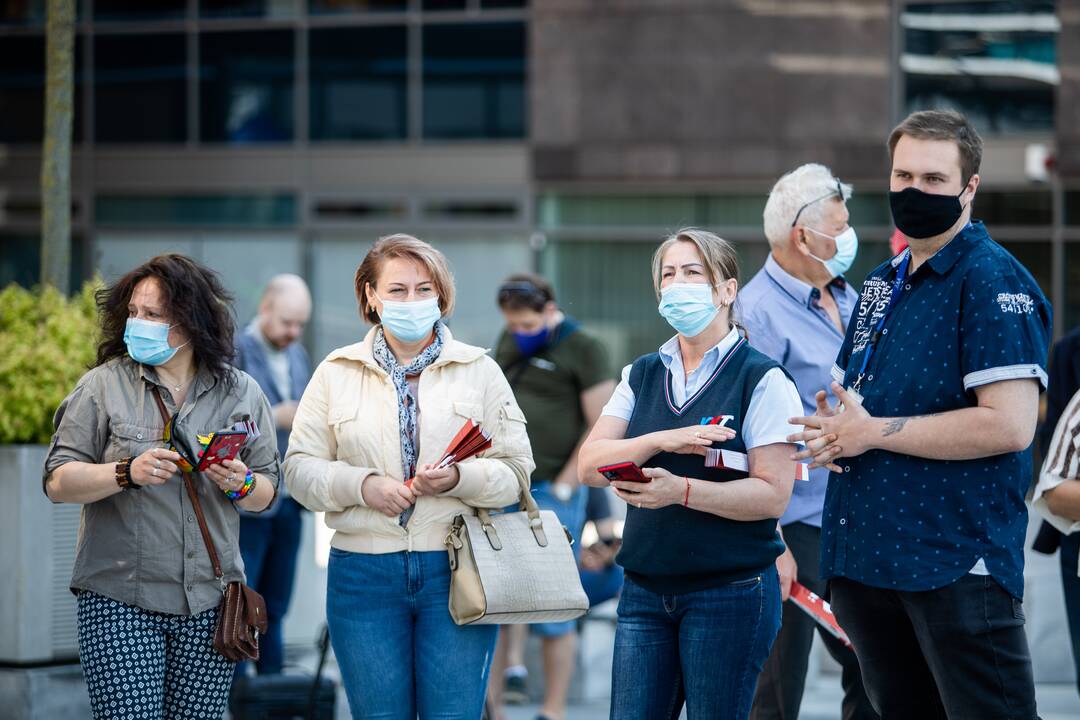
[47,342]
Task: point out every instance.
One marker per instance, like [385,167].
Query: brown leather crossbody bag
[242,612]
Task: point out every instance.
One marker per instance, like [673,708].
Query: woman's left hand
[662,490]
[430,480]
[228,475]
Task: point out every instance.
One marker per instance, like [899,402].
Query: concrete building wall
[685,90]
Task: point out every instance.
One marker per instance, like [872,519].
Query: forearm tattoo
[897,424]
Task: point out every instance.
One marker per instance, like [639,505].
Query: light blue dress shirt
[784,319]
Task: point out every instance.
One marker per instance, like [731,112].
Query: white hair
[808,183]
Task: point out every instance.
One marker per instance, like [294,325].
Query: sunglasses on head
[527,291]
[839,192]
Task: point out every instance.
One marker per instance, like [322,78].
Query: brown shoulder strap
[192,495]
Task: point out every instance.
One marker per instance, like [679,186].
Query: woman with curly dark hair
[147,591]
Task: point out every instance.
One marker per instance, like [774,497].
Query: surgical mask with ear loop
[688,307]
[847,247]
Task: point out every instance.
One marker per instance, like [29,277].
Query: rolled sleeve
[1004,331]
[774,400]
[1062,465]
[82,428]
[622,402]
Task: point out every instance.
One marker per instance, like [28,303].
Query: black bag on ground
[285,697]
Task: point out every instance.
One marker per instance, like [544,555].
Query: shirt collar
[946,257]
[943,260]
[802,291]
[669,351]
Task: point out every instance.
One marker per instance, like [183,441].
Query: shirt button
[885,331]
[190,588]
[871,377]
[908,286]
[847,468]
[190,519]
[843,521]
[191,554]
[138,436]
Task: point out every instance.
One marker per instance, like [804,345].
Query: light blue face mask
[688,307]
[847,247]
[410,321]
[148,342]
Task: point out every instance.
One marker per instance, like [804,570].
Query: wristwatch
[123,474]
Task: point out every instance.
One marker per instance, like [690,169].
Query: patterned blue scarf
[406,401]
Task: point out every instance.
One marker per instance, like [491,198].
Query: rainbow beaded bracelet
[243,492]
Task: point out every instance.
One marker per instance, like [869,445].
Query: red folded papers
[734,460]
[469,442]
[818,609]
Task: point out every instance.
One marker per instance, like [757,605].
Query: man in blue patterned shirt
[924,522]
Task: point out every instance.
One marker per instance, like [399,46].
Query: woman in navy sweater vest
[701,603]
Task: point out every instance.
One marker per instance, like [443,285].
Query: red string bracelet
[686,500]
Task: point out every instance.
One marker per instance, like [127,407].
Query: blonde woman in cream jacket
[375,414]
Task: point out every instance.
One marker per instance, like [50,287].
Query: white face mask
[410,321]
[847,247]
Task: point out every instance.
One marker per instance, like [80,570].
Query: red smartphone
[625,471]
[223,446]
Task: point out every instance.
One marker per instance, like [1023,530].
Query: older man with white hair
[796,310]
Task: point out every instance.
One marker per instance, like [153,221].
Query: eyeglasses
[839,192]
[527,291]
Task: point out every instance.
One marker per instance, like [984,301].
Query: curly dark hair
[196,301]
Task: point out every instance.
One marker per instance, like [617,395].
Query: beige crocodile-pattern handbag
[513,567]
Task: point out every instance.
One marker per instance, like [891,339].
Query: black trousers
[958,652]
[1070,557]
[781,683]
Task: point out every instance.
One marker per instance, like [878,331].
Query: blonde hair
[400,245]
[721,261]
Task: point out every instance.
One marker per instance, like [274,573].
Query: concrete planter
[37,611]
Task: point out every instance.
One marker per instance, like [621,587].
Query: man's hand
[846,434]
[284,414]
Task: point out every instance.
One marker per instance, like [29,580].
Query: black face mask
[921,215]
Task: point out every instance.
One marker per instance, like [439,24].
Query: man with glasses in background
[796,310]
[561,377]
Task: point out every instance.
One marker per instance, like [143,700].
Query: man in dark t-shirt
[562,378]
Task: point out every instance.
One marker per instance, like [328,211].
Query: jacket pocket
[129,439]
[469,411]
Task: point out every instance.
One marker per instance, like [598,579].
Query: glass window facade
[331,7]
[22,89]
[246,81]
[995,61]
[474,81]
[247,8]
[358,83]
[140,93]
[132,10]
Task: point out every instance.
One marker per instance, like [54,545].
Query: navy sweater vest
[676,549]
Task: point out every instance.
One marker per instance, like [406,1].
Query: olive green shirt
[548,388]
[143,546]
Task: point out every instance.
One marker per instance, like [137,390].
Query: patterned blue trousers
[143,665]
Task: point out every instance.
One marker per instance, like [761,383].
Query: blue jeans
[703,648]
[571,513]
[1070,556]
[268,547]
[398,650]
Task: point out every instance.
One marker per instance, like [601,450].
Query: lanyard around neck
[875,336]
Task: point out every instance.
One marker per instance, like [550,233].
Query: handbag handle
[526,504]
[194,497]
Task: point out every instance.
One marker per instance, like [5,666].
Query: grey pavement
[822,702]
